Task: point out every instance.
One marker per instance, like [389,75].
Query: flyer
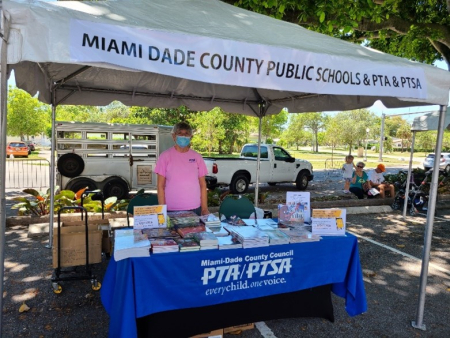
[154,216]
[328,222]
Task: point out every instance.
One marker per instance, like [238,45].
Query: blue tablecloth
[136,287]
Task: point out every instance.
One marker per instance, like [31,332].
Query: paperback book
[130,243]
[205,238]
[181,219]
[160,233]
[249,236]
[187,244]
[229,242]
[164,245]
[188,232]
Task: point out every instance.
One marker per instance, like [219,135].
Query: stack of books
[249,236]
[211,221]
[164,245]
[207,240]
[218,232]
[228,242]
[160,233]
[187,244]
[277,237]
[130,243]
[183,218]
[300,235]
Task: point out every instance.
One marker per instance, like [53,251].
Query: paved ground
[390,250]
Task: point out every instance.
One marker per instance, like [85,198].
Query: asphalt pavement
[390,249]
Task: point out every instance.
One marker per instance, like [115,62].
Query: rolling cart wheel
[57,289]
[96,286]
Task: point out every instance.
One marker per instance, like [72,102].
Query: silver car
[444,163]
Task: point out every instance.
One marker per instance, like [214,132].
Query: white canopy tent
[198,53]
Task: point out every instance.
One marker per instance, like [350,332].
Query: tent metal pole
[418,323]
[52,173]
[408,178]
[3,113]
[258,161]
[380,154]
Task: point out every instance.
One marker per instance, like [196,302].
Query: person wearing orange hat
[378,182]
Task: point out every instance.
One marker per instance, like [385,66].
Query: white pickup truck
[277,166]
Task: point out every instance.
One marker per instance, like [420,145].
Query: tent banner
[227,62]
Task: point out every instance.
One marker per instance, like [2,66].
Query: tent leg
[258,161]
[3,113]
[418,323]
[380,155]
[52,175]
[408,178]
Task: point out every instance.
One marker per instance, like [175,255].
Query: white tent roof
[210,54]
[430,121]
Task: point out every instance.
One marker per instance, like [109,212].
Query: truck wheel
[116,187]
[70,165]
[302,180]
[81,183]
[239,184]
[271,184]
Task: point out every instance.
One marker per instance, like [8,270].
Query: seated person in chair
[377,181]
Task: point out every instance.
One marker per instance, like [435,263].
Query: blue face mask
[183,141]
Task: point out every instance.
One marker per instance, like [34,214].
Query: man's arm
[160,186]
[203,196]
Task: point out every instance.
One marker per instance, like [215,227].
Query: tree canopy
[417,30]
[26,115]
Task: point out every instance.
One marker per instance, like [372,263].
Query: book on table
[229,242]
[160,233]
[205,238]
[218,232]
[301,235]
[183,218]
[164,245]
[277,237]
[130,243]
[249,236]
[187,244]
[188,232]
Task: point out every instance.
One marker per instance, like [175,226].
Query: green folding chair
[241,207]
[139,201]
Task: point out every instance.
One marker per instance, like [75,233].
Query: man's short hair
[181,126]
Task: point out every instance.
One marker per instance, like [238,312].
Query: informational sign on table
[298,207]
[154,216]
[328,222]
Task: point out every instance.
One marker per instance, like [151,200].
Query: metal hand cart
[59,275]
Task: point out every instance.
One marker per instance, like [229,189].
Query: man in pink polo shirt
[181,174]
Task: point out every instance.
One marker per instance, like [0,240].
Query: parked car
[444,162]
[16,149]
[31,145]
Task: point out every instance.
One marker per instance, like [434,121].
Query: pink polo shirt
[182,171]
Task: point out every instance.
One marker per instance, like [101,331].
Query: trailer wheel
[116,187]
[302,180]
[70,165]
[239,184]
[81,183]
